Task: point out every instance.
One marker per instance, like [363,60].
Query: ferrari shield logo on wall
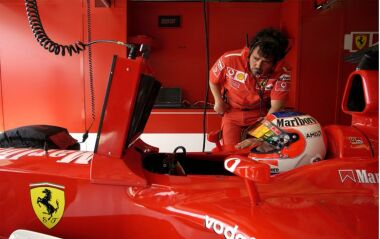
[48,201]
[361,40]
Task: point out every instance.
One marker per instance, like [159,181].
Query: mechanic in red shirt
[246,82]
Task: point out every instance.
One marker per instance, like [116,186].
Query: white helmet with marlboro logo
[287,140]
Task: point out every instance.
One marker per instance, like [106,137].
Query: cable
[41,36]
[39,33]
[91,73]
[129,46]
[207,73]
[43,39]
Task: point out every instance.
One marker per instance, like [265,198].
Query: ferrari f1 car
[128,189]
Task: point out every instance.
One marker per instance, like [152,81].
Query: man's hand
[221,107]
[248,143]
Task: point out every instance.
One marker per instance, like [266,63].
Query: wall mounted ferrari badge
[48,201]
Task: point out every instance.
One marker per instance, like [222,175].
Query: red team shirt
[231,71]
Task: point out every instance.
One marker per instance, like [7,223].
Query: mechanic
[245,82]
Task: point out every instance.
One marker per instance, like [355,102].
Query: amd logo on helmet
[317,133]
[296,121]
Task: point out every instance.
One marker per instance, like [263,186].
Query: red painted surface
[323,72]
[290,23]
[366,121]
[318,69]
[110,24]
[41,88]
[136,196]
[340,146]
[321,50]
[185,207]
[181,121]
[119,106]
[359,16]
[178,57]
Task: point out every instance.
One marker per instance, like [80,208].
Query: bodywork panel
[129,189]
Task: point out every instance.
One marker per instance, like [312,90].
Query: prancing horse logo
[361,41]
[45,201]
[48,201]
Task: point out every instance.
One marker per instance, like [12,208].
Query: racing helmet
[287,140]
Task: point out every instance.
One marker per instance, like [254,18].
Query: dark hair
[272,43]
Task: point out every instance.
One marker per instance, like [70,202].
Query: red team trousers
[234,121]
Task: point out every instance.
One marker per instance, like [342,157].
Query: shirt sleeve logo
[218,67]
[284,77]
[220,64]
[230,72]
[216,71]
[282,85]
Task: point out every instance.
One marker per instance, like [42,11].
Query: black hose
[207,73]
[178,148]
[41,36]
[39,33]
[91,73]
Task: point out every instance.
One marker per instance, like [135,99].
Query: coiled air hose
[50,45]
[59,49]
[41,36]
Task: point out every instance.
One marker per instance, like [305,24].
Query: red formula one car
[128,189]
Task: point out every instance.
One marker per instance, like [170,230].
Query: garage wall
[360,16]
[322,69]
[38,87]
[321,50]
[319,72]
[290,23]
[178,56]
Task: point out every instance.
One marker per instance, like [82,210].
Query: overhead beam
[103,3]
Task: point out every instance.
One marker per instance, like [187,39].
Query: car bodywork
[128,189]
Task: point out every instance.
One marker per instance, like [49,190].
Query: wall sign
[360,40]
[169,21]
